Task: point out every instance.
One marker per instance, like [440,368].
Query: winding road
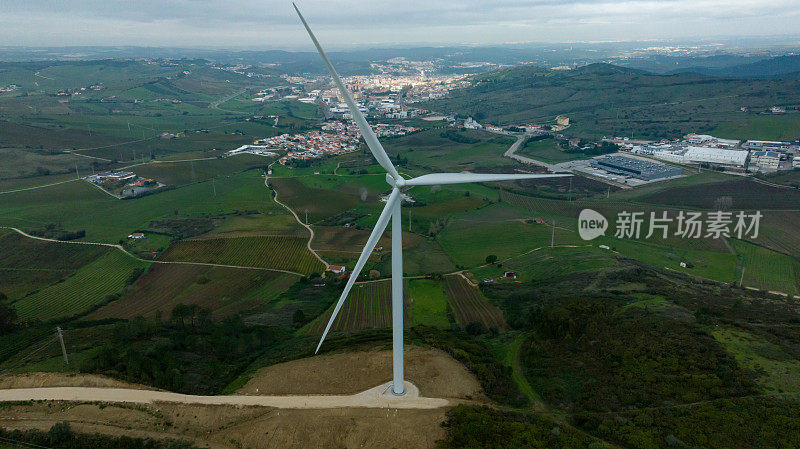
[309,228]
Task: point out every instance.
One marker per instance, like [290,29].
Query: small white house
[136,236]
[338,269]
[683,264]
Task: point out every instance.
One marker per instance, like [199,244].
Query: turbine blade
[380,226]
[369,136]
[459,178]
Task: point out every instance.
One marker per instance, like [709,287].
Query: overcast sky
[348,23]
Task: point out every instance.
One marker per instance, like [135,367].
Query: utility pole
[306,216]
[570,189]
[63,348]
[76,171]
[193,177]
[553,237]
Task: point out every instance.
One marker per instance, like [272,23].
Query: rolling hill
[604,99]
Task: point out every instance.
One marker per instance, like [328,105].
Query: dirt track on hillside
[227,426]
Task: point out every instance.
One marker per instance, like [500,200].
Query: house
[510,275]
[338,269]
[136,235]
[120,175]
[683,264]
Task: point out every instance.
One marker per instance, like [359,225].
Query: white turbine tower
[392,210]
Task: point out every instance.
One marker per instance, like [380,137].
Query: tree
[8,317]
[298,318]
[491,259]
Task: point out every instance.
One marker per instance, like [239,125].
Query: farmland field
[428,303]
[180,173]
[275,252]
[469,244]
[369,305]
[463,150]
[79,205]
[767,270]
[224,291]
[745,194]
[319,203]
[28,264]
[88,287]
[469,306]
[549,263]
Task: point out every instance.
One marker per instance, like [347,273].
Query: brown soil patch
[434,372]
[238,427]
[40,380]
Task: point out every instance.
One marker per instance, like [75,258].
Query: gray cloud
[271,23]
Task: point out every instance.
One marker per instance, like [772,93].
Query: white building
[716,156]
[765,160]
[472,124]
[704,155]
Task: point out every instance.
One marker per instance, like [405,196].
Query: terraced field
[224,291]
[469,306]
[27,264]
[276,252]
[78,293]
[369,305]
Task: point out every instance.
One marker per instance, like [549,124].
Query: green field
[180,173]
[469,244]
[768,270]
[79,205]
[428,303]
[550,262]
[547,150]
[430,150]
[78,293]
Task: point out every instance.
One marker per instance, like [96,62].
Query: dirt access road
[376,397]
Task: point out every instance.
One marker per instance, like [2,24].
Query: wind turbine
[392,210]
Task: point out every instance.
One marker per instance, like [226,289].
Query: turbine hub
[395,182]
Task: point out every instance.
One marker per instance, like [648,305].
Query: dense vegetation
[632,356]
[63,437]
[487,428]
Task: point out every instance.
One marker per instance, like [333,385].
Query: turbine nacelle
[399,182]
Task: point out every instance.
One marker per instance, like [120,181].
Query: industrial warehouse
[636,168]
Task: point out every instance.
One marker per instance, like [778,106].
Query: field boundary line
[119,247]
[40,187]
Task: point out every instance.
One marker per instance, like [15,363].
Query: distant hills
[604,99]
[781,66]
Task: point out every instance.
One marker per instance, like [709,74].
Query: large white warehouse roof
[715,156]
